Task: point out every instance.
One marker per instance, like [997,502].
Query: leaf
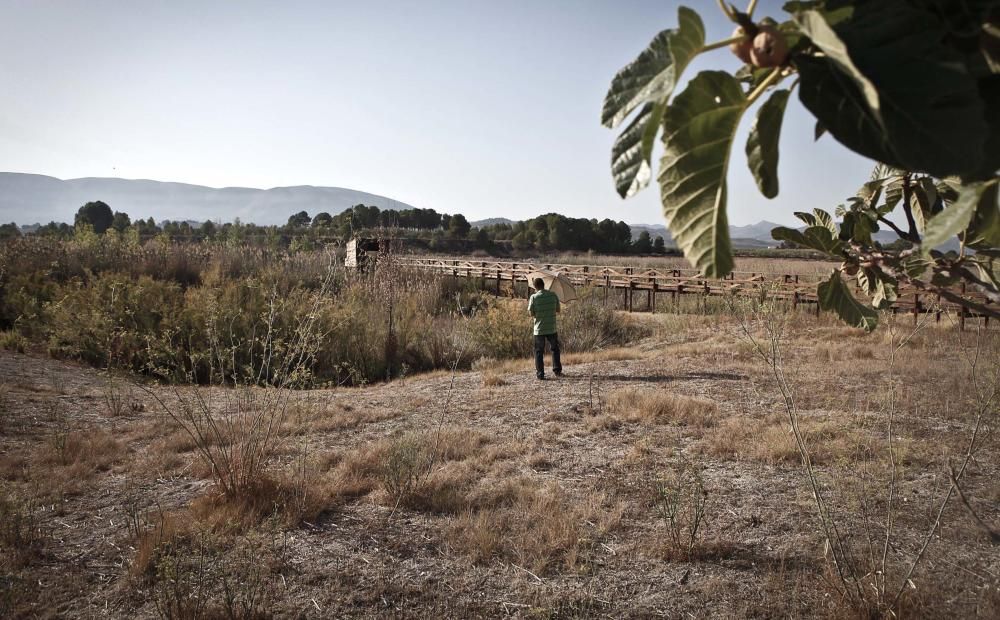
[823,219]
[794,6]
[698,131]
[814,237]
[762,143]
[835,296]
[837,104]
[915,265]
[927,202]
[818,130]
[984,230]
[954,219]
[863,228]
[654,74]
[814,25]
[989,90]
[633,148]
[808,218]
[933,118]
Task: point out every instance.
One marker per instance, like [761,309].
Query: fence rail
[798,289]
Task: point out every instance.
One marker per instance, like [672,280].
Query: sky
[490,109]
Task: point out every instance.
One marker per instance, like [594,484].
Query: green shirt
[544,305]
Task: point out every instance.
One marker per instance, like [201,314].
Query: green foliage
[193,313]
[9,231]
[834,296]
[762,144]
[649,81]
[911,84]
[698,133]
[97,215]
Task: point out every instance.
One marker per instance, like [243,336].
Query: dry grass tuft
[168,530]
[770,439]
[540,528]
[91,451]
[412,470]
[655,406]
[20,534]
[598,423]
[290,501]
[304,419]
[493,379]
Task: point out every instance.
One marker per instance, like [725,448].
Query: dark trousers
[540,354]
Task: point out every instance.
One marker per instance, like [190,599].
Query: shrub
[13,341]
[681,500]
[20,533]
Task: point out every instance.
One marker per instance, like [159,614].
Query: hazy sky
[480,107]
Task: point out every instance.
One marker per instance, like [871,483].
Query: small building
[360,252]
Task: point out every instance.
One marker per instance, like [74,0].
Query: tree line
[549,232]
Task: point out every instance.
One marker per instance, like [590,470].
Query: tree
[643,245]
[97,214]
[120,221]
[9,231]
[322,220]
[459,227]
[55,229]
[299,220]
[854,64]
[483,239]
[207,229]
[659,247]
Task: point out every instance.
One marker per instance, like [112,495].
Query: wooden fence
[628,283]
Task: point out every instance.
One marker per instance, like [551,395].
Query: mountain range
[745,237]
[31,198]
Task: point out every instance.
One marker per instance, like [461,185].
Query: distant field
[743,263]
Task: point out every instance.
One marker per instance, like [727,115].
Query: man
[544,306]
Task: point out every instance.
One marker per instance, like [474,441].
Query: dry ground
[537,499]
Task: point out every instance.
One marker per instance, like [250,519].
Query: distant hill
[34,198]
[745,237]
[491,221]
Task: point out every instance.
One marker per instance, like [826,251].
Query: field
[223,433]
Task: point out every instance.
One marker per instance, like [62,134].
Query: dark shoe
[540,377]
[558,373]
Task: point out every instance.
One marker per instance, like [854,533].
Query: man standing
[543,306]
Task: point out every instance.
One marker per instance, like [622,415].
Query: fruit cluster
[764,48]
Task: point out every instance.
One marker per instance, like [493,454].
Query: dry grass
[602,422]
[309,418]
[658,406]
[513,494]
[770,440]
[539,528]
[413,470]
[491,378]
[70,460]
[21,538]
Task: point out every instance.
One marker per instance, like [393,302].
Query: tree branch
[899,231]
[992,533]
[908,210]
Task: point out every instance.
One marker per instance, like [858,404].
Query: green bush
[212,312]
